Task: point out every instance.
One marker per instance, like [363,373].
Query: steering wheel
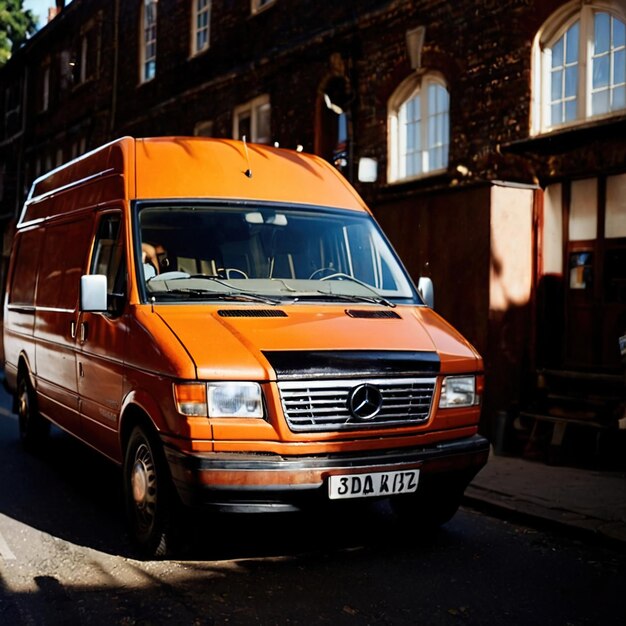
[321,270]
[339,276]
[226,272]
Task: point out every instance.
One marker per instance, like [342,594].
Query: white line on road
[5,551]
[6,412]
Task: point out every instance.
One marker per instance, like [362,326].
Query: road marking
[6,412]
[5,551]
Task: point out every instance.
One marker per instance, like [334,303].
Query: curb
[510,507]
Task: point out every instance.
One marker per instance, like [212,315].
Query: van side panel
[19,315]
[113,162]
[61,265]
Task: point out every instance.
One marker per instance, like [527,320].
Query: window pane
[571,110]
[619,98]
[571,81]
[571,44]
[244,124]
[619,67]
[557,85]
[600,102]
[619,33]
[557,52]
[602,35]
[263,123]
[601,71]
[556,115]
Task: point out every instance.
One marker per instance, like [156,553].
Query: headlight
[235,400]
[458,391]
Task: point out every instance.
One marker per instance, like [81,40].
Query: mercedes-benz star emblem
[365,402]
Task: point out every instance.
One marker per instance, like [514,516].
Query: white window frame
[552,31]
[416,87]
[253,109]
[256,6]
[148,42]
[199,10]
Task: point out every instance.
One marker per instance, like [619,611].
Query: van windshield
[267,253]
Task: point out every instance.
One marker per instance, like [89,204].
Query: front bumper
[260,483]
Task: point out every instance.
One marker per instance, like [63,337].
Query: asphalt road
[65,559]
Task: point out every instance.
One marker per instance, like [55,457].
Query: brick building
[494,133]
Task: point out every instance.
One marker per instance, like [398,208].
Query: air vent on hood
[372,315]
[251,313]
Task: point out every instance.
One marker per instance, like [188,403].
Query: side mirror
[426,291]
[93,293]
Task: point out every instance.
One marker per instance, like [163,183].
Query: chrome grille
[323,405]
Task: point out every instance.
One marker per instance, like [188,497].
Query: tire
[431,507]
[33,428]
[151,504]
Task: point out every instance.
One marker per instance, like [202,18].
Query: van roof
[193,167]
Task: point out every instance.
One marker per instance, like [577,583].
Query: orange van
[228,323]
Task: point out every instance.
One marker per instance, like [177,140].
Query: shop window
[148,42]
[252,120]
[419,128]
[583,216]
[200,26]
[580,65]
[615,216]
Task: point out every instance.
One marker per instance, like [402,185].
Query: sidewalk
[588,501]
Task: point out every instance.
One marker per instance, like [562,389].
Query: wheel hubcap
[144,486]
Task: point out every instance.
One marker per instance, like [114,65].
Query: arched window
[419,128]
[580,65]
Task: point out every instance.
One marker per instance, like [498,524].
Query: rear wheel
[150,499]
[34,428]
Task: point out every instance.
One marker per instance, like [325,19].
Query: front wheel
[33,427]
[149,494]
[432,506]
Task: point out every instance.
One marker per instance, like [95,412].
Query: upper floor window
[88,61]
[419,128]
[259,5]
[148,39]
[12,109]
[200,25]
[580,65]
[45,87]
[252,120]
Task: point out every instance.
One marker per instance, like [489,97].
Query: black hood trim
[351,363]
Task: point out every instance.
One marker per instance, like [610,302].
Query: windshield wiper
[207,294]
[343,297]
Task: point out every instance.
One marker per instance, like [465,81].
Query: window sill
[565,138]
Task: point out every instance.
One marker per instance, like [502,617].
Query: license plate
[373,484]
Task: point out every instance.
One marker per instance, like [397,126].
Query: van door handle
[73,330]
[83,332]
